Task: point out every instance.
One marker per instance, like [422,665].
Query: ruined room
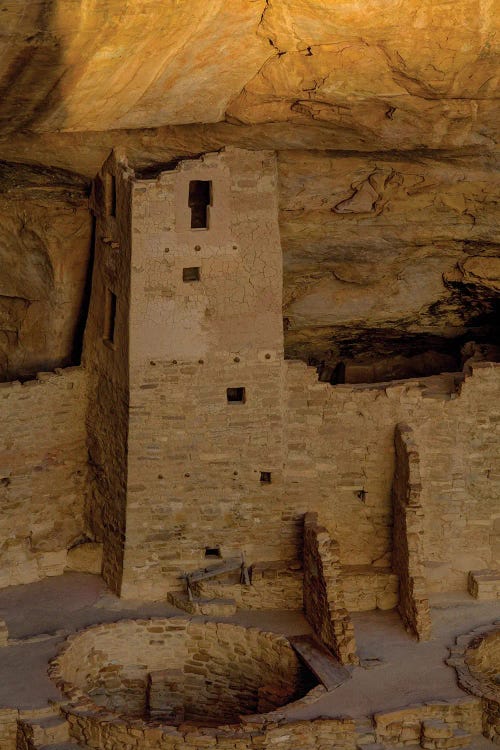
[249,375]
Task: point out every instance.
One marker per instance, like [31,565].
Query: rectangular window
[265,476]
[200,198]
[191,274]
[110,317]
[213,552]
[110,194]
[236,395]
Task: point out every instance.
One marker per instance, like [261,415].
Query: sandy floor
[41,615]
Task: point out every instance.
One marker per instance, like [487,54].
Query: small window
[110,194]
[200,198]
[236,395]
[213,552]
[110,317]
[191,274]
[265,477]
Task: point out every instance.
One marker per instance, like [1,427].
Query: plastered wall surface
[43,473]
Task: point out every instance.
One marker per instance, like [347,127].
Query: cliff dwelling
[249,376]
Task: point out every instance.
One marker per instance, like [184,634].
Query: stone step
[484,584]
[70,745]
[198,606]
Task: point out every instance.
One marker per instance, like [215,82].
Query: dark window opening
[236,395]
[111,194]
[191,274]
[110,317]
[200,198]
[265,476]
[213,552]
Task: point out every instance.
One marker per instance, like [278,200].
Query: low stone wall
[476,658]
[405,726]
[275,585]
[8,728]
[367,587]
[408,556]
[323,593]
[100,733]
[484,584]
[43,473]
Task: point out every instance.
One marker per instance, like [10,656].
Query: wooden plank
[320,661]
[233,563]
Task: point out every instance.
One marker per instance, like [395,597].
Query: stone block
[85,558]
[484,584]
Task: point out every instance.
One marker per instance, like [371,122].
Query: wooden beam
[320,661]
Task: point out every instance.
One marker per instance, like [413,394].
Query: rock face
[385,118]
[386,255]
[45,234]
[396,75]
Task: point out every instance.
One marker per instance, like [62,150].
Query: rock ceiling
[385,116]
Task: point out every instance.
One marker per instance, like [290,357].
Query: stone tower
[184,348]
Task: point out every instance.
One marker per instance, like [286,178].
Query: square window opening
[110,194]
[110,317]
[213,552]
[200,198]
[236,395]
[191,274]
[265,477]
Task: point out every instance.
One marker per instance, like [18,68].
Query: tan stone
[85,557]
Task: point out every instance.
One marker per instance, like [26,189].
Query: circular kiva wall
[175,670]
[477,661]
[483,658]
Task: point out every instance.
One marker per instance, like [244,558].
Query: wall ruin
[43,474]
[408,535]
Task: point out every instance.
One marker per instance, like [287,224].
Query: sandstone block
[85,558]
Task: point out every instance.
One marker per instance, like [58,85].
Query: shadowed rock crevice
[44,250]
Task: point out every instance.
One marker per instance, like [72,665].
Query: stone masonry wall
[193,471]
[476,658]
[43,473]
[408,535]
[195,459]
[341,462]
[107,364]
[406,726]
[275,585]
[323,595]
[8,728]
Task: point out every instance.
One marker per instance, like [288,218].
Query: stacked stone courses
[323,594]
[174,468]
[43,473]
[476,658]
